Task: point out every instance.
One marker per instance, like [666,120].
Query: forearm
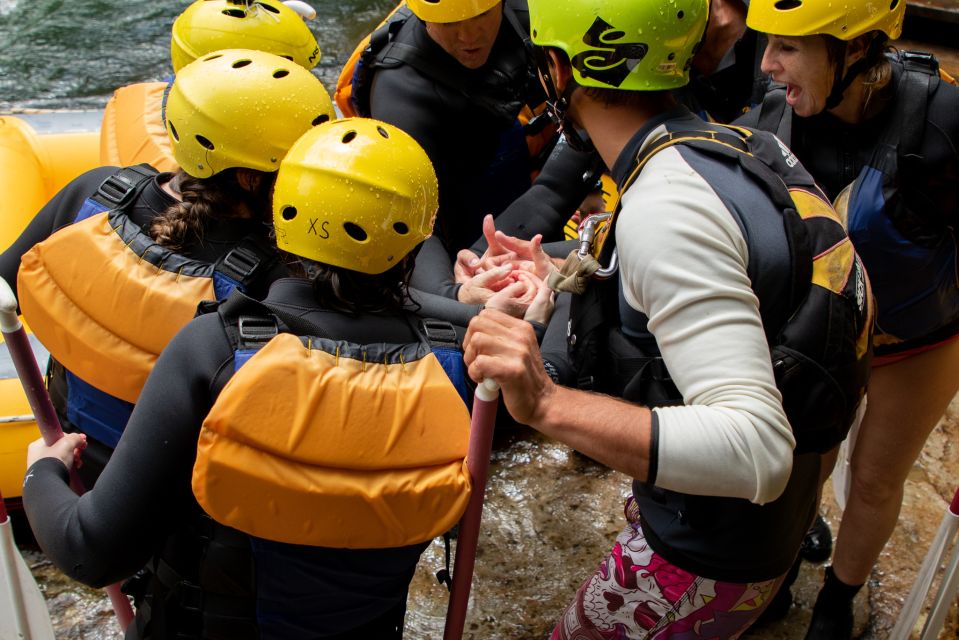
[613,432]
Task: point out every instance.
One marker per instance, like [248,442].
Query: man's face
[469,41]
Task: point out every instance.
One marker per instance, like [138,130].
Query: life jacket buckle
[439,331]
[117,190]
[241,261]
[257,330]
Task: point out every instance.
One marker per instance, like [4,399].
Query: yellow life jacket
[133,131]
[333,444]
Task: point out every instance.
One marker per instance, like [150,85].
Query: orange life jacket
[133,132]
[333,444]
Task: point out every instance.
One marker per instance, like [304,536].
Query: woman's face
[802,64]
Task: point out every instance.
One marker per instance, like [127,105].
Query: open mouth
[792,94]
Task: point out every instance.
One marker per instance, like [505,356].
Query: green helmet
[264,25]
[635,45]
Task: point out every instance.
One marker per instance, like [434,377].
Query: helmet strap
[558,105]
[841,82]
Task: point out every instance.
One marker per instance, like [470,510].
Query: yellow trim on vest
[810,205]
[309,447]
[133,132]
[831,269]
[100,309]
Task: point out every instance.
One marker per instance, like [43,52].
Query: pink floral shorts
[636,594]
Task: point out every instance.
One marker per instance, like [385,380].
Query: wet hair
[218,197]
[352,292]
[876,69]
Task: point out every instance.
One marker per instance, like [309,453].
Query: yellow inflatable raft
[39,154]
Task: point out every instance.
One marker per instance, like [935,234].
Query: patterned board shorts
[636,594]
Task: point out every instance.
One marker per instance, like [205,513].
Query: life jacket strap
[118,189]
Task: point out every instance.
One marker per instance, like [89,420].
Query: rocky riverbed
[550,515]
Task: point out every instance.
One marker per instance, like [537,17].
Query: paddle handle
[485,401]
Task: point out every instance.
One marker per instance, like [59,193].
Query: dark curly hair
[218,197]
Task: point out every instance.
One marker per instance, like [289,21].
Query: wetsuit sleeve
[683,261]
[433,272]
[565,180]
[60,211]
[111,531]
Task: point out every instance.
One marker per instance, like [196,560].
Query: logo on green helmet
[611,59]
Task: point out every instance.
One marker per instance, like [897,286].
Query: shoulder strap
[775,114]
[738,145]
[919,80]
[244,265]
[117,191]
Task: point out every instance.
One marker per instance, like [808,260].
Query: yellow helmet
[844,20]
[241,108]
[449,10]
[264,25]
[355,193]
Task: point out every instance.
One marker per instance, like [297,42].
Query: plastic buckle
[921,60]
[257,329]
[241,261]
[116,189]
[439,331]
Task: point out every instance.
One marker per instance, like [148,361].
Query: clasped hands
[509,277]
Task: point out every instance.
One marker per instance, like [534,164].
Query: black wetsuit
[479,153]
[143,502]
[219,237]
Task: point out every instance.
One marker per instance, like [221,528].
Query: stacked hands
[509,277]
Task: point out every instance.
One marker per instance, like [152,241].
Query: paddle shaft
[9,569]
[18,344]
[477,460]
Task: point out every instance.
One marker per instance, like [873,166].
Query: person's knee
[875,487]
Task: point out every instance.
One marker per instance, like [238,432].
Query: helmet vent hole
[383,132]
[355,231]
[173,132]
[234,13]
[206,143]
[432,1]
[281,73]
[680,15]
[212,57]
[268,7]
[893,4]
[239,64]
[349,137]
[320,119]
[671,56]
[401,228]
[786,5]
[288,213]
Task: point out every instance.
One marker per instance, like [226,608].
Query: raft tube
[39,155]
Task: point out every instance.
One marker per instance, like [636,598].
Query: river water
[60,54]
[550,513]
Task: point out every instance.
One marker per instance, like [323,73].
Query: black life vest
[915,272]
[818,321]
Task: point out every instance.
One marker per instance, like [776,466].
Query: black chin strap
[840,82]
[558,105]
